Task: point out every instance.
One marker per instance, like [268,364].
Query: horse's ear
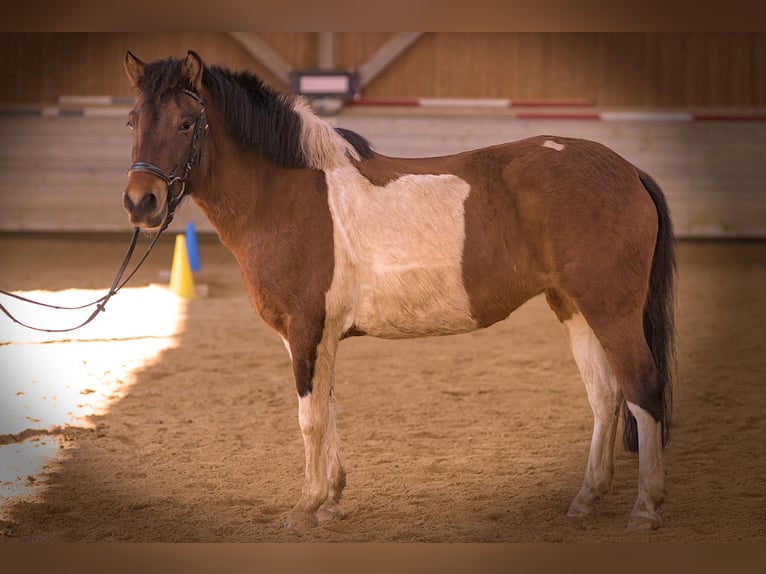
[192,70]
[134,68]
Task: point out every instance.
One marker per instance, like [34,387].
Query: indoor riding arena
[173,416]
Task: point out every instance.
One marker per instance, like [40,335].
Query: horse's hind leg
[624,344]
[651,480]
[615,362]
[604,398]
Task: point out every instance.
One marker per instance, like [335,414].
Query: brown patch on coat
[286,257]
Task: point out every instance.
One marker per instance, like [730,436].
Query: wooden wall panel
[758,68]
[638,69]
[67,173]
[353,49]
[38,68]
[610,69]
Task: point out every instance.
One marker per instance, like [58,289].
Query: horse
[335,240]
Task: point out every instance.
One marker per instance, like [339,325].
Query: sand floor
[472,438]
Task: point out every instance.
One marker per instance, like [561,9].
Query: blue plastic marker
[192,251]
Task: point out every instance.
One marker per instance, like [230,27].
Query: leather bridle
[201,129]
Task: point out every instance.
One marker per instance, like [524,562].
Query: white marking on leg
[651,472]
[331,509]
[553,145]
[398,254]
[324,474]
[287,346]
[312,418]
[604,397]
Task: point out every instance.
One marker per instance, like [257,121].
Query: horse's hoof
[299,520]
[331,511]
[580,509]
[644,520]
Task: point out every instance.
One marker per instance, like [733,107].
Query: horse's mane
[283,128]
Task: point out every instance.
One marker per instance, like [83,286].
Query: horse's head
[169,126]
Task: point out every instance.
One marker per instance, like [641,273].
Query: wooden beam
[385,55]
[264,53]
[325,50]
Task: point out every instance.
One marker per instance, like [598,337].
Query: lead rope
[101,302]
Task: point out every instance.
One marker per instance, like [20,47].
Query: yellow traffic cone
[181,279]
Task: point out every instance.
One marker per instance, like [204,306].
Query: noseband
[171,179]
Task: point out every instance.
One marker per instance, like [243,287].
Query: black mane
[257,116]
[359,143]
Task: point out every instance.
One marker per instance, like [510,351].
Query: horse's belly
[412,301]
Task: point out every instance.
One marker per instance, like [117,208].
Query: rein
[201,128]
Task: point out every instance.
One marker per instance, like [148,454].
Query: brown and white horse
[334,240]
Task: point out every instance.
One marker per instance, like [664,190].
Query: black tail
[659,325]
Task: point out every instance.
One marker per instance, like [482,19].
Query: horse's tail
[659,327]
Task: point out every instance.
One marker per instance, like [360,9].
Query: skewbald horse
[335,240]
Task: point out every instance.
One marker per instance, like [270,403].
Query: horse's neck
[228,199]
[242,191]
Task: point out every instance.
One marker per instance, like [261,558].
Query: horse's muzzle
[145,209]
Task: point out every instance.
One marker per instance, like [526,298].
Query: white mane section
[323,147]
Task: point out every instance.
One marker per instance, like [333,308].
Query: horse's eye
[129,123]
[185,125]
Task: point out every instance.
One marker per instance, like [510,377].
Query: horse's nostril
[127,202]
[151,202]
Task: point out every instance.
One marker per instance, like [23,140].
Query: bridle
[201,129]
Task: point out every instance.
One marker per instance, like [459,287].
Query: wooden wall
[67,173]
[610,69]
[38,68]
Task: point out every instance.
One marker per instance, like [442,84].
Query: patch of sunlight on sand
[53,381]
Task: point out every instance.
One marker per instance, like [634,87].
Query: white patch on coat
[553,145]
[398,254]
[323,147]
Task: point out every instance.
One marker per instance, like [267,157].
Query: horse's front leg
[313,359]
[331,508]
